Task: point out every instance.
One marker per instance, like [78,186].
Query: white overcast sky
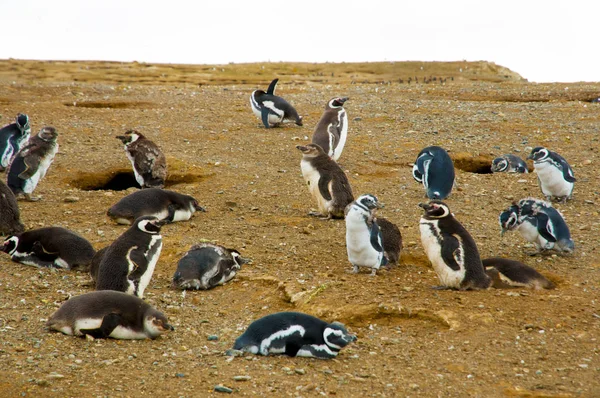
[544,41]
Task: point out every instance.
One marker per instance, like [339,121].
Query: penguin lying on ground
[326,181]
[12,138]
[206,265]
[509,164]
[435,170]
[294,334]
[271,109]
[507,274]
[49,246]
[156,202]
[451,249]
[108,313]
[554,174]
[10,216]
[148,161]
[332,130]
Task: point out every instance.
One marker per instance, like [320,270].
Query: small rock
[71,199]
[55,375]
[213,337]
[587,162]
[179,375]
[222,388]
[300,371]
[357,119]
[242,378]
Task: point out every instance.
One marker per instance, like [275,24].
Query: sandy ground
[412,340]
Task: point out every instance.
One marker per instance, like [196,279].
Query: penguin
[506,274]
[95,263]
[364,241]
[435,170]
[326,181]
[271,109]
[160,203]
[554,174]
[451,249]
[10,217]
[148,161]
[32,162]
[205,266]
[392,240]
[106,313]
[332,129]
[12,139]
[49,247]
[509,163]
[294,334]
[539,223]
[128,263]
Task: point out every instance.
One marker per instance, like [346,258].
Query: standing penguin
[364,241]
[108,314]
[434,168]
[128,263]
[148,161]
[326,181]
[331,131]
[160,203]
[10,217]
[294,334]
[206,265]
[509,163]
[554,174]
[32,162]
[539,223]
[506,274]
[271,109]
[451,249]
[49,246]
[12,139]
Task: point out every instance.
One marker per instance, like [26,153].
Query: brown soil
[412,340]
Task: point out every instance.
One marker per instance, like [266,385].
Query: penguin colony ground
[391,216]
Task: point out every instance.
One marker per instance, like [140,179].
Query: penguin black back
[10,217]
[392,239]
[435,170]
[506,273]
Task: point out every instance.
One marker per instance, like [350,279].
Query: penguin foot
[313,213]
[374,272]
[441,287]
[354,270]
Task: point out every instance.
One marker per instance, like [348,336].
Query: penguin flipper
[45,255]
[324,186]
[32,164]
[544,227]
[271,89]
[567,171]
[264,113]
[376,238]
[109,323]
[420,166]
[450,247]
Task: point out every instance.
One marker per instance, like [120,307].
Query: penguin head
[237,258]
[435,209]
[10,244]
[155,324]
[499,164]
[48,134]
[369,201]
[310,150]
[336,102]
[22,121]
[509,219]
[336,336]
[538,154]
[130,137]
[196,206]
[149,224]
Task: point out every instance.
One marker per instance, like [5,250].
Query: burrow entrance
[122,179]
[480,164]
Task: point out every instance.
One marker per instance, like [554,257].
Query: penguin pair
[539,223]
[160,203]
[294,334]
[49,247]
[332,129]
[370,242]
[555,175]
[12,138]
[148,161]
[206,265]
[32,162]
[271,109]
[128,263]
[326,181]
[509,163]
[435,170]
[111,314]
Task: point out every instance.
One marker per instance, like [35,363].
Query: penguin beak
[162,222]
[342,100]
[380,205]
[302,148]
[502,232]
[168,327]
[424,206]
[122,138]
[530,156]
[243,260]
[199,208]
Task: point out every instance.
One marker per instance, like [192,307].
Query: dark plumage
[148,161]
[271,109]
[12,139]
[332,129]
[392,239]
[507,274]
[10,217]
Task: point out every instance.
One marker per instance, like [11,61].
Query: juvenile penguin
[326,181]
[32,162]
[148,161]
[12,139]
[435,170]
[364,241]
[206,265]
[451,249]
[10,217]
[128,263]
[49,247]
[294,334]
[509,163]
[508,274]
[271,109]
[332,130]
[160,203]
[392,239]
[107,313]
[539,223]
[554,174]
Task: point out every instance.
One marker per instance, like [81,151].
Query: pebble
[357,119]
[242,378]
[300,371]
[179,375]
[71,199]
[222,388]
[55,375]
[213,337]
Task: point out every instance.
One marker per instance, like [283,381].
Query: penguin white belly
[182,215]
[312,176]
[358,242]
[138,177]
[85,323]
[531,234]
[145,278]
[343,120]
[552,180]
[433,249]
[7,155]
[32,182]
[121,332]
